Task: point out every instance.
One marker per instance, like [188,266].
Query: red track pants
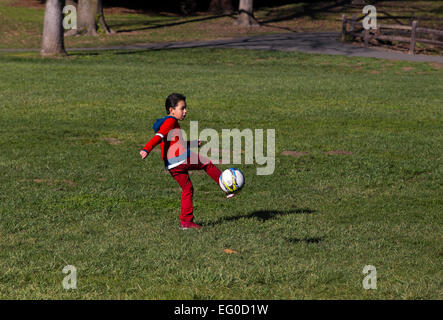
[180,174]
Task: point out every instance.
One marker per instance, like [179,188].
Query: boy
[176,155]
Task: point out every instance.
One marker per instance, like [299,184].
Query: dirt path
[308,42]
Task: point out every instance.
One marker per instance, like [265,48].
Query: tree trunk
[53,40]
[188,7]
[87,17]
[246,14]
[87,13]
[221,6]
[101,18]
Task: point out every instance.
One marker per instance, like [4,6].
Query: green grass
[67,196]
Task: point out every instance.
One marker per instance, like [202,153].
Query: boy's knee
[207,165]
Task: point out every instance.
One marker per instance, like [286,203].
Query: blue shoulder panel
[158,123]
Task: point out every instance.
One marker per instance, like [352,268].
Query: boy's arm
[159,136]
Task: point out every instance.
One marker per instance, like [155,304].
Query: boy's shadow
[262,215]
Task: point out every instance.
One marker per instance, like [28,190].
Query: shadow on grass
[305,240]
[262,215]
[310,9]
[172,24]
[76,53]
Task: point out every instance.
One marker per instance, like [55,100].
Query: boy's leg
[182,177]
[212,171]
[208,166]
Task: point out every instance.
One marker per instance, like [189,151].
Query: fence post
[352,28]
[366,37]
[413,36]
[343,28]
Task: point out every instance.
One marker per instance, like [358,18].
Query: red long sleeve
[167,126]
[152,143]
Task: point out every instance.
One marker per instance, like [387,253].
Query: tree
[246,14]
[221,6]
[87,17]
[101,18]
[87,12]
[53,40]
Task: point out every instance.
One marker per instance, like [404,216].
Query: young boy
[176,155]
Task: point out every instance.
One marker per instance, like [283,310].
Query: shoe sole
[187,228]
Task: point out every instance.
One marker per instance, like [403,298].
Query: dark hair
[172,100]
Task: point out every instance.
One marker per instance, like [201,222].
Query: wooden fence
[385,32]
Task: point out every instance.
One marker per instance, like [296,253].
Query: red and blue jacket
[168,134]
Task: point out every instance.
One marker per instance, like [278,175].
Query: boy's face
[179,111]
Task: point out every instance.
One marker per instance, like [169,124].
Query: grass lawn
[74,191]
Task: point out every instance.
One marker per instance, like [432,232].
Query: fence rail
[356,30]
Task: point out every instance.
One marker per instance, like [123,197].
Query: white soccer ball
[231,180]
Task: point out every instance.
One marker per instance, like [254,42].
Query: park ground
[357,181]
[22,23]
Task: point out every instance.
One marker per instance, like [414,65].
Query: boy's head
[175,105]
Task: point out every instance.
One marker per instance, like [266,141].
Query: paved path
[309,42]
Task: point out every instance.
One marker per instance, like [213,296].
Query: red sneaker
[230,195]
[189,225]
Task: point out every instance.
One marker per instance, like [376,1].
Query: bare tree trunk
[221,6]
[188,7]
[87,13]
[87,17]
[53,40]
[246,14]
[101,18]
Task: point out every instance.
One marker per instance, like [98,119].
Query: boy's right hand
[143,153]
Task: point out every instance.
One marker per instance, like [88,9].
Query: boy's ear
[170,109]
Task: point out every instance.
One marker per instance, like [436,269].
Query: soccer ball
[231,180]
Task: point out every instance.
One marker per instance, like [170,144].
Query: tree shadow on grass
[308,9]
[76,53]
[262,215]
[156,25]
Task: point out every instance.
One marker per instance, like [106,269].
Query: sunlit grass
[70,195]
